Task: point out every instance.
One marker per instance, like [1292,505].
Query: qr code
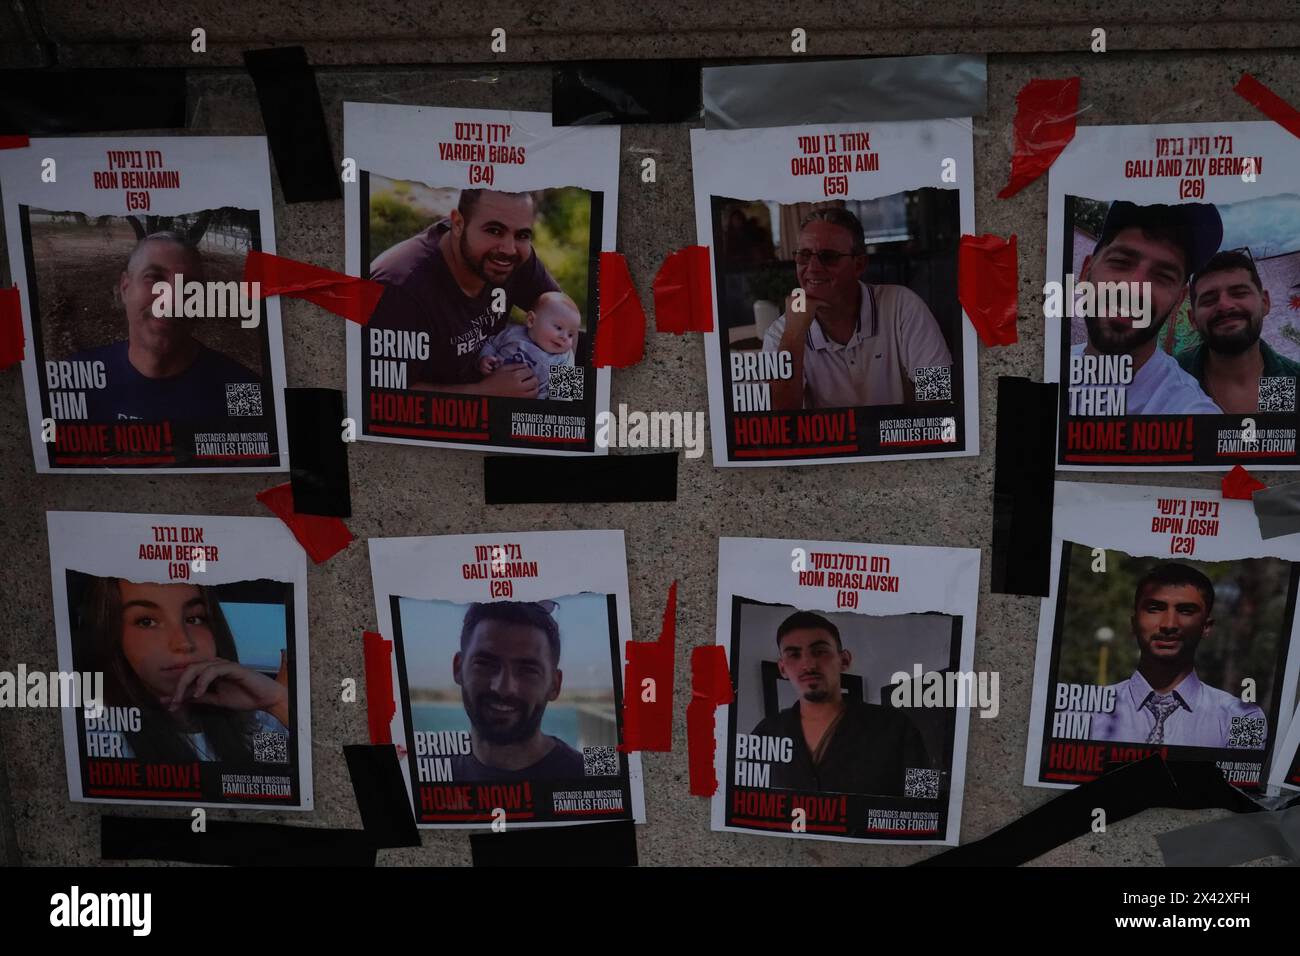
[921,783]
[271,747]
[1277,393]
[600,761]
[567,382]
[243,398]
[934,384]
[1247,732]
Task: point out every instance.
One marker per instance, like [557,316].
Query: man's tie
[1161,707]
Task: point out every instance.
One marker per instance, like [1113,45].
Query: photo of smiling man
[443,280]
[146,348]
[484,230]
[852,344]
[839,332]
[1170,630]
[160,365]
[1159,246]
[1233,362]
[1171,299]
[508,670]
[1165,701]
[511,705]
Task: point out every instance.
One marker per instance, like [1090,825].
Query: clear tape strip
[837,91]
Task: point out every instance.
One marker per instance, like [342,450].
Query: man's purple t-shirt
[197,394]
[422,295]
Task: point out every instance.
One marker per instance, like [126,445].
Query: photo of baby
[544,341]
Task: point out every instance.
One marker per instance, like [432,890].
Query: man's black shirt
[562,762]
[871,749]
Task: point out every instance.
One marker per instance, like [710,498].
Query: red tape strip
[620,333]
[710,688]
[12,341]
[1241,484]
[14,142]
[380,705]
[344,295]
[988,287]
[648,724]
[1269,103]
[1044,125]
[683,293]
[320,537]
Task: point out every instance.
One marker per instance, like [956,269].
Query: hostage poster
[506,668]
[1170,629]
[1172,303]
[195,629]
[852,666]
[485,228]
[146,350]
[839,335]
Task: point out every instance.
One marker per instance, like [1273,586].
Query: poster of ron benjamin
[197,627]
[853,676]
[1173,297]
[146,350]
[839,336]
[485,229]
[507,671]
[1170,628]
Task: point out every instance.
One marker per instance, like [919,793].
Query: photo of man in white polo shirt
[853,344]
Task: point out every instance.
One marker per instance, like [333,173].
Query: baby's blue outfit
[512,344]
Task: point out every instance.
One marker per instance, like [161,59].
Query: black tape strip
[624,92]
[593,844]
[1024,481]
[386,819]
[318,456]
[520,480]
[233,843]
[381,795]
[53,102]
[295,123]
[1122,792]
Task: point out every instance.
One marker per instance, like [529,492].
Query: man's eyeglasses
[827,257]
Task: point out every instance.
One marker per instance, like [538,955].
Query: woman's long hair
[160,738]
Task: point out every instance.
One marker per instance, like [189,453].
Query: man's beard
[476,265]
[1233,343]
[523,727]
[1108,342]
[817,695]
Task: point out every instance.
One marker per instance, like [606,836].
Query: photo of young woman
[168,650]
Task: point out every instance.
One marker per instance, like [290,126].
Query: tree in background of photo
[562,238]
[1249,609]
[395,214]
